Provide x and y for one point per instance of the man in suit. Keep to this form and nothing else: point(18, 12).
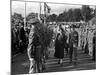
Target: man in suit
point(22, 38)
point(73, 44)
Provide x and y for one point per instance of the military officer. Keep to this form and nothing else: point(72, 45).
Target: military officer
point(34, 49)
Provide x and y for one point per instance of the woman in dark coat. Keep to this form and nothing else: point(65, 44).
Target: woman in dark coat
point(59, 48)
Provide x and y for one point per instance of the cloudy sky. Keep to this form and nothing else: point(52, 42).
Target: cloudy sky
point(19, 7)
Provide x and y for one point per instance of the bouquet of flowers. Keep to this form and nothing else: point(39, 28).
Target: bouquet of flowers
point(45, 34)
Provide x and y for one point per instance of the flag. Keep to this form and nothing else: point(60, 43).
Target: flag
point(46, 7)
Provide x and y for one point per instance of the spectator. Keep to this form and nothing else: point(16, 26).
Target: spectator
point(22, 39)
point(59, 48)
point(73, 44)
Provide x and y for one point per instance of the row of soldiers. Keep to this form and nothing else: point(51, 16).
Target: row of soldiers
point(86, 35)
point(87, 39)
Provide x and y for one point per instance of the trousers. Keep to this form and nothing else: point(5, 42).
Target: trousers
point(73, 53)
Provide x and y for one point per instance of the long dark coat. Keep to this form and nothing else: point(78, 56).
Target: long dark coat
point(22, 37)
point(59, 48)
point(22, 34)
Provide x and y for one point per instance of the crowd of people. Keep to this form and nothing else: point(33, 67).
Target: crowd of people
point(19, 38)
point(69, 45)
point(26, 40)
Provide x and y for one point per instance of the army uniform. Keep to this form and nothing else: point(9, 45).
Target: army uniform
point(73, 44)
point(30, 50)
point(34, 52)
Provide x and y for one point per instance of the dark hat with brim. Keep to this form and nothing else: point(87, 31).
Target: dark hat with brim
point(33, 21)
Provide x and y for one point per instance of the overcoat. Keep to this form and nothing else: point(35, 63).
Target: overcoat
point(59, 48)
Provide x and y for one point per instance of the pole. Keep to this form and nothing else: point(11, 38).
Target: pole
point(40, 8)
point(44, 13)
point(25, 17)
point(40, 13)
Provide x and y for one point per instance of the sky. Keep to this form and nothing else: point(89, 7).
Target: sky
point(19, 7)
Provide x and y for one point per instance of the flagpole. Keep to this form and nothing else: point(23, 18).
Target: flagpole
point(40, 13)
point(40, 8)
point(44, 14)
point(25, 17)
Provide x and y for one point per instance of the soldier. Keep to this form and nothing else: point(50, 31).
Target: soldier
point(34, 49)
point(73, 44)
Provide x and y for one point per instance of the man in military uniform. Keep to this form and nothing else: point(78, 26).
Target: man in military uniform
point(73, 44)
point(34, 49)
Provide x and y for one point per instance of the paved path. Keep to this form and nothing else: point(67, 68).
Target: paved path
point(20, 64)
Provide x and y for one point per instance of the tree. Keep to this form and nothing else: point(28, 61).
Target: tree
point(52, 18)
point(66, 16)
point(17, 18)
point(70, 15)
point(86, 12)
point(77, 16)
point(63, 16)
point(60, 17)
point(45, 35)
point(31, 15)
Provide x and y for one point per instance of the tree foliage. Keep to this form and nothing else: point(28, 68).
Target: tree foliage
point(77, 16)
point(52, 18)
point(31, 15)
point(85, 13)
point(16, 19)
point(45, 34)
